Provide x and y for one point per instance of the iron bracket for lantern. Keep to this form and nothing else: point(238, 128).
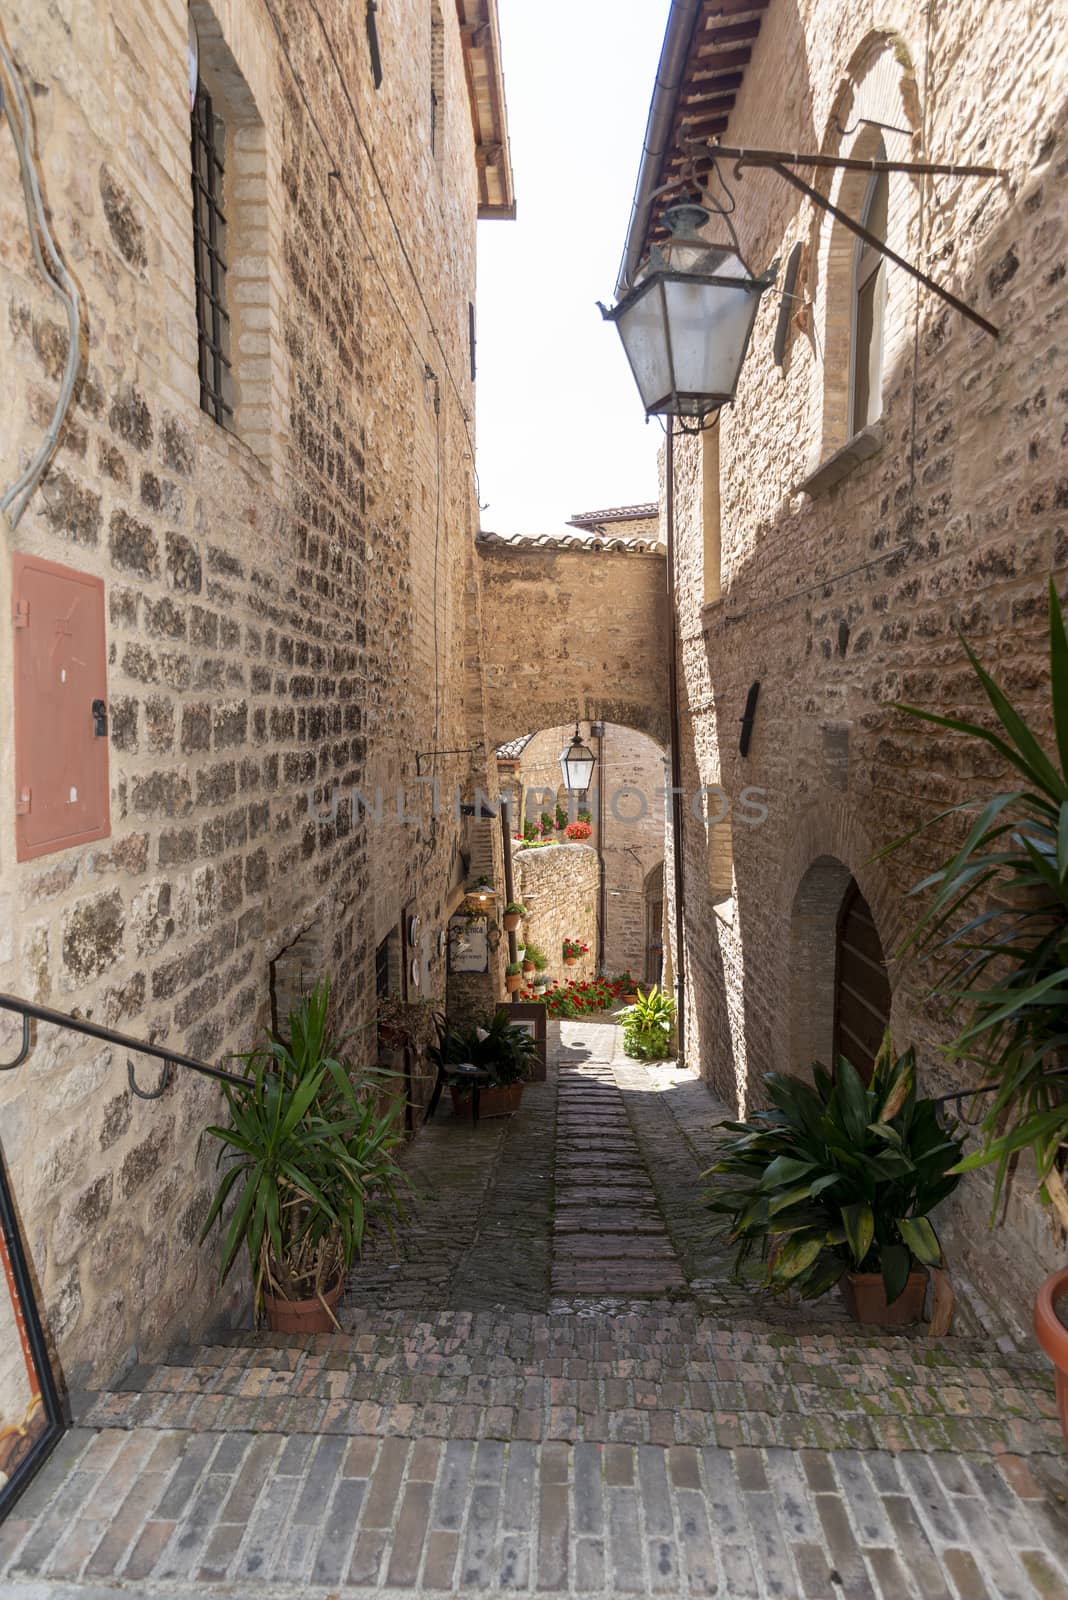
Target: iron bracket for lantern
point(781, 161)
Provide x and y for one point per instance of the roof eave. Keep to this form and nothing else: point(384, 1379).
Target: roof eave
point(481, 40)
point(673, 57)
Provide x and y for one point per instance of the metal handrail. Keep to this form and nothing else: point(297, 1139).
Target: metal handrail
point(29, 1012)
point(958, 1096)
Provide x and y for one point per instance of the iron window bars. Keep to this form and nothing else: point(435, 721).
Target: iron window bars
point(209, 262)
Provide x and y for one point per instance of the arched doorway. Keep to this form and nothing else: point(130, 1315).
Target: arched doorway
point(839, 985)
point(861, 984)
point(654, 925)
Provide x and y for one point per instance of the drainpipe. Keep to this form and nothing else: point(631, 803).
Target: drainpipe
point(602, 920)
point(673, 55)
point(509, 879)
point(676, 748)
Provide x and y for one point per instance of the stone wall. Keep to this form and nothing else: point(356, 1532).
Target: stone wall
point(628, 825)
point(572, 633)
point(292, 603)
point(843, 599)
point(559, 887)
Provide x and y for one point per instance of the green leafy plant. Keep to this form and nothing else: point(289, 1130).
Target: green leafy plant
point(516, 908)
point(513, 969)
point(490, 1042)
point(574, 948)
point(648, 1025)
point(537, 955)
point(835, 1177)
point(561, 818)
point(998, 916)
point(307, 1158)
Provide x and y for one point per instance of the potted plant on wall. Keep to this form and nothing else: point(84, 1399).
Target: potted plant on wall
point(573, 949)
point(513, 976)
point(534, 960)
point(513, 912)
point(999, 916)
point(578, 832)
point(835, 1182)
point(307, 1159)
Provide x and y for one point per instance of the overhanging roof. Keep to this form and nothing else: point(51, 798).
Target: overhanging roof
point(480, 34)
point(707, 46)
point(597, 519)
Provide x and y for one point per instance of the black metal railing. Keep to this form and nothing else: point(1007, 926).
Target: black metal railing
point(46, 1419)
point(123, 1041)
point(957, 1097)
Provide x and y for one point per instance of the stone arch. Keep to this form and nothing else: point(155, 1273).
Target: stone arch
point(572, 634)
point(830, 851)
point(878, 87)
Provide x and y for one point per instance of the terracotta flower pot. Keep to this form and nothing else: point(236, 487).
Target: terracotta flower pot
point(528, 967)
point(570, 961)
point(1052, 1335)
point(865, 1297)
point(511, 921)
point(498, 1102)
point(302, 1316)
point(513, 981)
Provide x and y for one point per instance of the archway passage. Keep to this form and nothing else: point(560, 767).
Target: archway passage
point(575, 632)
point(861, 984)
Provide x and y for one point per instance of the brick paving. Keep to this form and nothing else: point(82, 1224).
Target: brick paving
point(580, 1404)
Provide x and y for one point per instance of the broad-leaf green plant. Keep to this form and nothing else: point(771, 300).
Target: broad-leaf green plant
point(307, 1159)
point(836, 1176)
point(648, 1025)
point(998, 919)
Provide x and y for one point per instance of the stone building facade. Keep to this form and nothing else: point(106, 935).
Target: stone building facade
point(831, 543)
point(292, 596)
point(559, 887)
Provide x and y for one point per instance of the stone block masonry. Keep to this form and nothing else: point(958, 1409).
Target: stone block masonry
point(287, 598)
point(559, 887)
point(843, 598)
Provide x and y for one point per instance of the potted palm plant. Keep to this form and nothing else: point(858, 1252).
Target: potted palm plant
point(835, 1182)
point(306, 1158)
point(496, 1046)
point(998, 917)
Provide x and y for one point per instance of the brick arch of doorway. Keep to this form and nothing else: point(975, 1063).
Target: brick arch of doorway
point(829, 849)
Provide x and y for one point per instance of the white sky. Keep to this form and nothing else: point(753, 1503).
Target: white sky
point(560, 425)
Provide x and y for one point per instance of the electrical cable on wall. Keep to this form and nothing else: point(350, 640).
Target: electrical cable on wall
point(15, 499)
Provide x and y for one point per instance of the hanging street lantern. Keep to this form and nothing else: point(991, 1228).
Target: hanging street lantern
point(685, 325)
point(576, 764)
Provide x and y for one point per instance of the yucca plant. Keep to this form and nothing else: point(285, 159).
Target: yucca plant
point(307, 1157)
point(835, 1177)
point(648, 1025)
point(998, 916)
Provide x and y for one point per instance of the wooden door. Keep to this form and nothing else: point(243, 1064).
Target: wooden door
point(861, 985)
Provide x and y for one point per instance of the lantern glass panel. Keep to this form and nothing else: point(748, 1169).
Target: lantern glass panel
point(709, 326)
point(641, 328)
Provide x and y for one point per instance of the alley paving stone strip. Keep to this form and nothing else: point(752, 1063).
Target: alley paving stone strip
point(548, 1383)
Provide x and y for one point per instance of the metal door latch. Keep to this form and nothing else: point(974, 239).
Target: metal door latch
point(100, 719)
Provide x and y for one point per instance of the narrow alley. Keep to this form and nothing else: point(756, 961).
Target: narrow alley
point(548, 1383)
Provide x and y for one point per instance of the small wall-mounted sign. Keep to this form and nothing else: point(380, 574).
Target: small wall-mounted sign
point(468, 944)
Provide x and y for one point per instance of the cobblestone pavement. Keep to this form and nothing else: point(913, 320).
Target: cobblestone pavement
point(549, 1385)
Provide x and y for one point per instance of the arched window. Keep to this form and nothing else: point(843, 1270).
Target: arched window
point(869, 302)
point(861, 985)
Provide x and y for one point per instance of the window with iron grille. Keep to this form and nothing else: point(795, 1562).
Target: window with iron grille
point(209, 261)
